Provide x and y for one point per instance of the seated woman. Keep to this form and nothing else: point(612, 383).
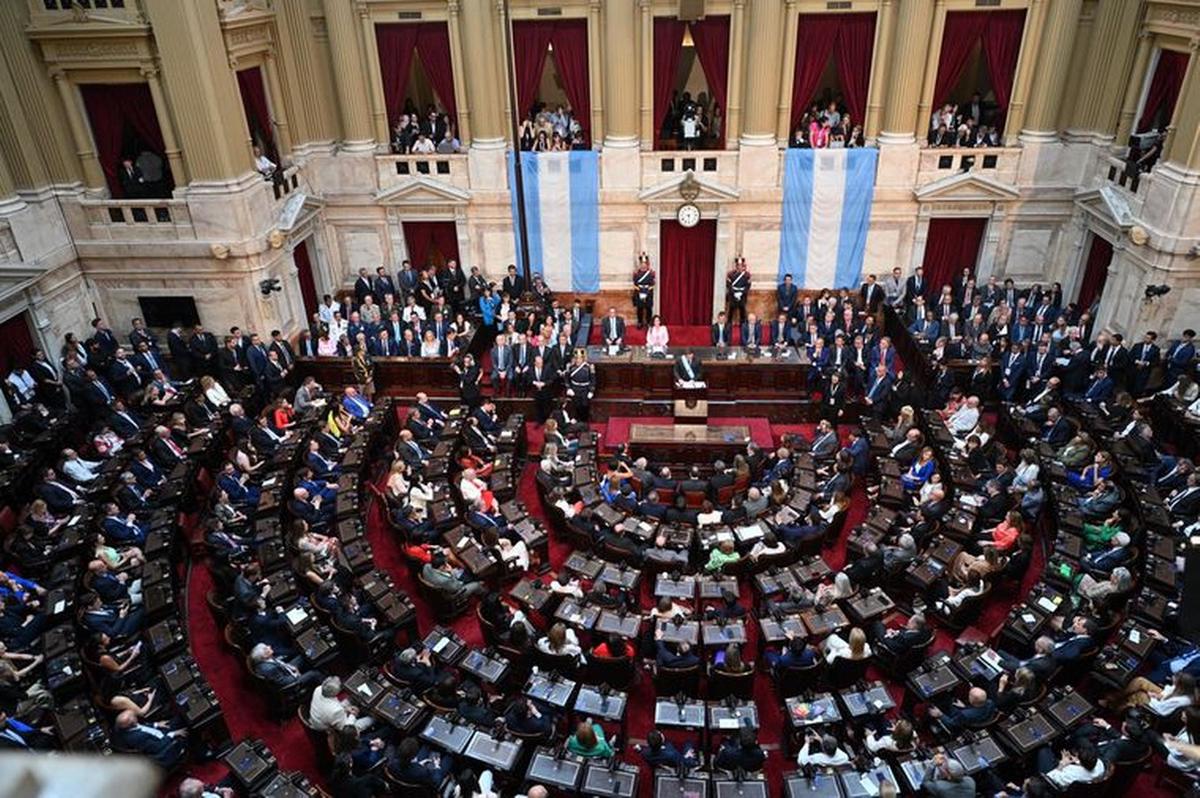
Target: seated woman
point(474, 489)
point(657, 337)
point(1004, 535)
point(312, 572)
point(614, 647)
point(588, 741)
point(729, 660)
point(905, 421)
point(841, 588)
point(1099, 536)
point(724, 554)
point(515, 554)
point(1012, 692)
point(1184, 747)
point(920, 471)
point(553, 435)
point(968, 567)
point(283, 416)
point(560, 640)
point(854, 648)
point(667, 610)
point(118, 559)
point(899, 739)
point(106, 442)
point(553, 464)
point(1086, 479)
point(955, 595)
point(1026, 472)
point(214, 392)
point(323, 548)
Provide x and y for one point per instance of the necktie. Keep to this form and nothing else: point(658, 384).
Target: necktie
point(104, 390)
point(174, 447)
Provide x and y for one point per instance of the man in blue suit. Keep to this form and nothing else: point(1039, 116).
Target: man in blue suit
point(1077, 642)
point(752, 333)
point(785, 295)
point(121, 530)
point(878, 391)
point(356, 404)
point(1144, 357)
point(163, 745)
point(926, 330)
point(1101, 387)
point(1012, 371)
point(236, 487)
point(1180, 357)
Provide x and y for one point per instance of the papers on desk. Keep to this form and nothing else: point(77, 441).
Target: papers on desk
point(440, 644)
point(991, 658)
point(270, 483)
point(727, 723)
point(693, 384)
point(74, 520)
point(61, 605)
point(1046, 604)
point(1029, 618)
point(364, 689)
point(1135, 636)
point(869, 783)
point(748, 533)
point(614, 350)
point(296, 615)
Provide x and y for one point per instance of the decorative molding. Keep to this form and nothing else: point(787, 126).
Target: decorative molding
point(706, 190)
point(966, 187)
point(424, 191)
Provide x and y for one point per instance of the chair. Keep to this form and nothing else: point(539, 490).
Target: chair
point(446, 608)
point(486, 627)
point(793, 681)
point(672, 681)
point(318, 738)
point(725, 495)
point(845, 672)
point(618, 672)
point(722, 683)
point(695, 498)
point(407, 788)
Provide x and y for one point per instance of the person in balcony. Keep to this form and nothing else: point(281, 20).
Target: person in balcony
point(264, 165)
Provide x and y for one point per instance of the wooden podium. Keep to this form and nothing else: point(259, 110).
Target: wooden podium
point(690, 404)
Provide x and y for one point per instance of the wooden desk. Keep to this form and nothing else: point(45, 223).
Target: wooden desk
point(634, 373)
point(687, 443)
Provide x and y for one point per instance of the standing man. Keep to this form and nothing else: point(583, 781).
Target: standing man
point(581, 385)
point(737, 289)
point(542, 378)
point(643, 291)
point(871, 295)
point(786, 295)
point(893, 290)
point(1145, 358)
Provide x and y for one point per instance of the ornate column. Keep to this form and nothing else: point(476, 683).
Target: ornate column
point(1137, 82)
point(283, 131)
point(1110, 63)
point(884, 33)
point(454, 31)
point(930, 58)
point(1027, 62)
point(761, 83)
point(311, 106)
point(737, 37)
point(174, 157)
point(787, 76)
point(1182, 144)
point(596, 59)
point(620, 74)
point(649, 134)
point(85, 148)
point(348, 75)
point(370, 51)
point(502, 65)
point(479, 50)
point(1053, 63)
point(910, 51)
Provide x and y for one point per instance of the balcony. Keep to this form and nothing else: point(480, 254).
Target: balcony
point(718, 166)
point(131, 220)
point(998, 163)
point(395, 171)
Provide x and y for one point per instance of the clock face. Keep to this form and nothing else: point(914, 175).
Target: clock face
point(688, 215)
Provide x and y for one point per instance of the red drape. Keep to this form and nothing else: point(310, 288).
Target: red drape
point(531, 42)
point(115, 109)
point(952, 245)
point(16, 344)
point(814, 42)
point(304, 276)
point(668, 44)
point(1164, 88)
point(1095, 272)
point(258, 113)
point(425, 239)
point(397, 44)
point(433, 48)
point(1001, 49)
point(686, 258)
point(711, 37)
point(855, 48)
point(1000, 33)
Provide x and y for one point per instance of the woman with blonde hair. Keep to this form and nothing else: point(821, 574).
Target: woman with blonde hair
point(214, 392)
point(904, 422)
point(854, 648)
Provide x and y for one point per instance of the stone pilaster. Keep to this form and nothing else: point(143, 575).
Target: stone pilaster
point(646, 72)
point(201, 91)
point(620, 74)
point(479, 50)
point(737, 59)
point(85, 147)
point(1109, 63)
point(791, 24)
point(885, 24)
point(458, 62)
point(1027, 62)
point(910, 51)
point(1053, 64)
point(345, 50)
point(596, 59)
point(761, 83)
point(1133, 91)
point(312, 114)
point(929, 65)
point(1183, 135)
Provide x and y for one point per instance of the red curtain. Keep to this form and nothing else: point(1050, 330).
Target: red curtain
point(16, 343)
point(258, 113)
point(711, 37)
point(952, 245)
point(304, 276)
point(814, 42)
point(531, 40)
point(668, 44)
point(433, 48)
point(1095, 272)
point(1000, 33)
point(686, 257)
point(855, 48)
point(397, 44)
point(1164, 88)
point(571, 57)
point(1001, 49)
point(115, 110)
point(425, 240)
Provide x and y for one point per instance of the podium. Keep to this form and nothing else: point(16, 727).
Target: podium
point(689, 403)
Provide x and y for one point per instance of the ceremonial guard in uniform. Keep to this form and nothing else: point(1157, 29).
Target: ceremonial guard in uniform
point(643, 291)
point(737, 290)
point(581, 385)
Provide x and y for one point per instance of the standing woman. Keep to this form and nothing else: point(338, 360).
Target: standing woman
point(364, 371)
point(469, 376)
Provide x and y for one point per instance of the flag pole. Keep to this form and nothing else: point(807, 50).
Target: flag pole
point(518, 180)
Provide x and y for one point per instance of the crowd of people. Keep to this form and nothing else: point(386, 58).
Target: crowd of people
point(545, 130)
point(428, 133)
point(827, 124)
point(969, 124)
point(693, 123)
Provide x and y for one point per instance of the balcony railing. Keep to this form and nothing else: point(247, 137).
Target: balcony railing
point(134, 220)
point(1125, 176)
point(662, 165)
point(396, 170)
point(999, 163)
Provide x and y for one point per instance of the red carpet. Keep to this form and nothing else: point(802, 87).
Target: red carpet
point(246, 714)
point(617, 430)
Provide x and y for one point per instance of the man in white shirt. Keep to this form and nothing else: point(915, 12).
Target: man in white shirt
point(265, 166)
point(822, 751)
point(78, 469)
point(423, 146)
point(965, 418)
point(327, 712)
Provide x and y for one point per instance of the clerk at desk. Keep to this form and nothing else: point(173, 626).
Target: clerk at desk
point(687, 369)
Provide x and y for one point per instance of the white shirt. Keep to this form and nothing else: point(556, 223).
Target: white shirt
point(1067, 775)
point(963, 420)
point(81, 470)
point(424, 146)
point(326, 713)
point(264, 165)
point(471, 490)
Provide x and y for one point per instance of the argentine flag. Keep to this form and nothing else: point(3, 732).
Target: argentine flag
point(562, 215)
point(826, 215)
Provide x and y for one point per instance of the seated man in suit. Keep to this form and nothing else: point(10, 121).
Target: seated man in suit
point(612, 329)
point(526, 718)
point(1116, 554)
point(357, 405)
point(279, 672)
point(413, 764)
point(1077, 641)
point(312, 509)
point(661, 752)
point(165, 746)
point(721, 333)
point(439, 575)
point(825, 441)
point(1101, 501)
point(415, 669)
point(121, 530)
point(687, 368)
point(899, 642)
point(673, 655)
point(978, 711)
point(120, 623)
point(410, 451)
point(741, 752)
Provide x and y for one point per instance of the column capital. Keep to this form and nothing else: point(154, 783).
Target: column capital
point(149, 71)
point(453, 7)
point(362, 9)
point(57, 72)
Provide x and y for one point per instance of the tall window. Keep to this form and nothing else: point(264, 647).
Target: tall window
point(418, 86)
point(691, 79)
point(553, 89)
point(831, 79)
point(129, 143)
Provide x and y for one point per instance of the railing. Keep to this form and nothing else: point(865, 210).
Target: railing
point(289, 182)
point(134, 219)
point(396, 170)
point(662, 165)
point(1124, 175)
point(999, 163)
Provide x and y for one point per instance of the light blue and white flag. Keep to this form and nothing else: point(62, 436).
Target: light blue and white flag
point(562, 212)
point(826, 215)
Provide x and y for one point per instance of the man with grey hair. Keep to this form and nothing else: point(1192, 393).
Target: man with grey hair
point(194, 788)
point(279, 671)
point(756, 502)
point(327, 712)
point(946, 778)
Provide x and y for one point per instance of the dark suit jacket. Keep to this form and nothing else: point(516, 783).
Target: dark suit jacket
point(725, 329)
point(682, 375)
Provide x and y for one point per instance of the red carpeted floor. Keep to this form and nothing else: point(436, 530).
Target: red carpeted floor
point(246, 714)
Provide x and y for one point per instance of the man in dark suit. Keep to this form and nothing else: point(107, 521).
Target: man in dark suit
point(871, 294)
point(97, 395)
point(133, 184)
point(383, 285)
point(899, 642)
point(203, 349)
point(786, 295)
point(978, 711)
point(1185, 502)
point(687, 368)
point(1144, 357)
point(915, 286)
point(878, 391)
point(1077, 641)
point(1180, 357)
point(741, 753)
point(279, 672)
point(751, 333)
point(1056, 430)
point(363, 286)
point(721, 332)
point(612, 330)
point(283, 349)
point(163, 745)
point(49, 381)
point(513, 283)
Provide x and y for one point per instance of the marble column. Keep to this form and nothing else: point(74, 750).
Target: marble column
point(479, 50)
point(596, 59)
point(884, 34)
point(1053, 62)
point(374, 76)
point(761, 83)
point(312, 116)
point(646, 22)
point(346, 54)
point(791, 21)
point(458, 64)
point(200, 90)
point(1027, 62)
point(85, 148)
point(1137, 82)
point(620, 74)
point(929, 60)
point(170, 142)
point(279, 115)
point(1182, 145)
point(1109, 64)
point(737, 38)
point(909, 53)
